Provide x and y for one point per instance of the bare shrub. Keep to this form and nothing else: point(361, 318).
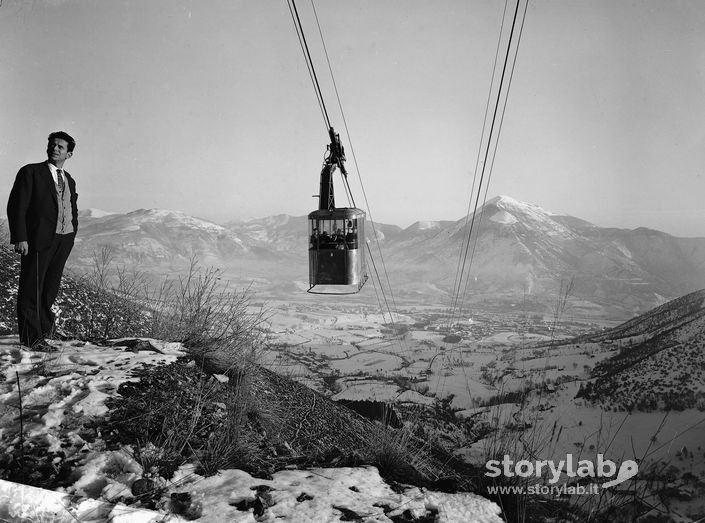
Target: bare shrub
point(201, 311)
point(397, 453)
point(232, 446)
point(179, 413)
point(113, 302)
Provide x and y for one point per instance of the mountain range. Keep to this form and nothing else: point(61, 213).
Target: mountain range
point(519, 253)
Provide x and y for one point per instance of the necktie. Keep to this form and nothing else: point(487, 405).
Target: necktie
point(60, 179)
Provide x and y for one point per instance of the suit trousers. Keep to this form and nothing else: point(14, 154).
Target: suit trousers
point(40, 278)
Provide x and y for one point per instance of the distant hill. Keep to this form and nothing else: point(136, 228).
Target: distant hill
point(160, 239)
point(661, 360)
point(520, 253)
point(524, 251)
point(163, 242)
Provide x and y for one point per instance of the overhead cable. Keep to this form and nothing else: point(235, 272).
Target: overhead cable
point(467, 258)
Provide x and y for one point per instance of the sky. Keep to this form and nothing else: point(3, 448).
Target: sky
point(207, 107)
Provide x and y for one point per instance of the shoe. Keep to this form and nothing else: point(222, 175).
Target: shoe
point(43, 346)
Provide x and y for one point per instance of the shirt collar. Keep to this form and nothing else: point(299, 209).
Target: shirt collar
point(53, 168)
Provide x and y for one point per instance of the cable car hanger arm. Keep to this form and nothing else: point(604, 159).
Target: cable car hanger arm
point(335, 157)
point(337, 152)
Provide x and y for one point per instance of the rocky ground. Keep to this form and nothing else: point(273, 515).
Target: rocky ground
point(135, 429)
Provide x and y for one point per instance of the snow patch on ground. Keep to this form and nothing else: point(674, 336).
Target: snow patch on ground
point(411, 396)
point(315, 495)
point(80, 376)
point(623, 249)
point(503, 217)
point(319, 494)
point(366, 391)
point(424, 225)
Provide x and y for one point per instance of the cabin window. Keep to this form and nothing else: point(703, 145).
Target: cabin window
point(337, 233)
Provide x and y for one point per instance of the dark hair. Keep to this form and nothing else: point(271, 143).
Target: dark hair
point(61, 135)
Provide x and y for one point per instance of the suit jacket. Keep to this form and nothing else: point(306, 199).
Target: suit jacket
point(33, 207)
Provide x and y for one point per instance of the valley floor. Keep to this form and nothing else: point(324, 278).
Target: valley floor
point(484, 364)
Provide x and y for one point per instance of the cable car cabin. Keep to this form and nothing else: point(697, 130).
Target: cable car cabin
point(336, 250)
point(336, 246)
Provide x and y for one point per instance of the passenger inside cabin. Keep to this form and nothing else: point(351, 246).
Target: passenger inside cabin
point(339, 239)
point(351, 238)
point(324, 240)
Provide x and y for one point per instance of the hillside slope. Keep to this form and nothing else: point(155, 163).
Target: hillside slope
point(136, 432)
point(82, 310)
point(661, 359)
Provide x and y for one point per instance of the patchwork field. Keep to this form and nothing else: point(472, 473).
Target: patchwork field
point(480, 366)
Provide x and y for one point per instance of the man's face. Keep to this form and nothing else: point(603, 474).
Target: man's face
point(58, 150)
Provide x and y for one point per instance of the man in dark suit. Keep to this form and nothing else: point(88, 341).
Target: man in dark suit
point(43, 219)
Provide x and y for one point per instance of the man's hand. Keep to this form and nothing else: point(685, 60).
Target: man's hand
point(22, 248)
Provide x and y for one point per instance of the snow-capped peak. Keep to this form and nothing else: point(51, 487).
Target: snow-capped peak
point(510, 204)
point(175, 219)
point(510, 211)
point(503, 217)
